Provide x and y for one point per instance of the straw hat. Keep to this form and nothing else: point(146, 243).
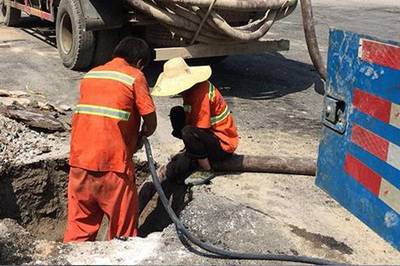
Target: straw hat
point(178, 77)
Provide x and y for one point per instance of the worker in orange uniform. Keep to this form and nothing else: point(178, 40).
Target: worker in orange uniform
point(204, 123)
point(105, 134)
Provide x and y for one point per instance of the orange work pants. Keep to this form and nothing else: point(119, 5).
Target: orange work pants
point(93, 194)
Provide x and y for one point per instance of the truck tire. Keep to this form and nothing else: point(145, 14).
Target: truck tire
point(106, 41)
point(8, 15)
point(75, 45)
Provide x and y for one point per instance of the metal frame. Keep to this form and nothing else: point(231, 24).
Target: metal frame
point(161, 54)
point(34, 11)
point(203, 50)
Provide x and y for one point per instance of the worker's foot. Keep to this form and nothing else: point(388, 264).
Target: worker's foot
point(200, 177)
point(162, 172)
point(121, 238)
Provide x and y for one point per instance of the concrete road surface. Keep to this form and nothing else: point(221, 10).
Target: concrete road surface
point(276, 99)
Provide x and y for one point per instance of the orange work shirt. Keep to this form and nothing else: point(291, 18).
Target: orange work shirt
point(106, 122)
point(206, 108)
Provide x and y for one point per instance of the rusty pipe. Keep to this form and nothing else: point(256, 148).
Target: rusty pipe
point(202, 38)
point(242, 35)
point(183, 12)
point(254, 24)
point(181, 166)
point(238, 5)
point(162, 15)
point(267, 164)
point(216, 22)
point(172, 20)
point(246, 35)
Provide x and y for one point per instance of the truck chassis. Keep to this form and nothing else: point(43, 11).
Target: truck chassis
point(88, 30)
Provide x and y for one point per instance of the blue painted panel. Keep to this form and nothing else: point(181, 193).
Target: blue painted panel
point(387, 131)
point(345, 73)
point(386, 171)
point(375, 76)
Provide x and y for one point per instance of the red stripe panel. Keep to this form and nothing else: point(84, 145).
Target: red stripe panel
point(381, 54)
point(370, 142)
point(363, 174)
point(372, 105)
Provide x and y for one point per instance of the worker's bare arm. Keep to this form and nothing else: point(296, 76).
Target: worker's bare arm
point(149, 124)
point(148, 128)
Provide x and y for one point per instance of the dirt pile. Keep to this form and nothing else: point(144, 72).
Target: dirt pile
point(20, 144)
point(214, 218)
point(31, 129)
point(33, 178)
point(18, 246)
point(33, 168)
point(239, 233)
point(15, 243)
point(35, 195)
point(233, 226)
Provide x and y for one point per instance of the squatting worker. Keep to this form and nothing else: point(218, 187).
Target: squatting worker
point(204, 123)
point(105, 134)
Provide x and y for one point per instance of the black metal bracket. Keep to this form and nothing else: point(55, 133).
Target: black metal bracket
point(103, 14)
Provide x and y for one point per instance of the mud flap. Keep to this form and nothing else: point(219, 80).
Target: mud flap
point(359, 154)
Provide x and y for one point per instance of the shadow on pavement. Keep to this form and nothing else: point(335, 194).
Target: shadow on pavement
point(40, 29)
point(257, 77)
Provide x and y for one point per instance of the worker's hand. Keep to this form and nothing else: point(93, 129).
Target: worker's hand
point(148, 128)
point(140, 141)
point(149, 124)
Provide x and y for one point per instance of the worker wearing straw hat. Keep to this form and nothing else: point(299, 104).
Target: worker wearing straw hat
point(204, 123)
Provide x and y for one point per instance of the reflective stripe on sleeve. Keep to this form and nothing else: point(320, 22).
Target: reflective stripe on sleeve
point(218, 118)
point(113, 75)
point(211, 92)
point(102, 111)
point(187, 108)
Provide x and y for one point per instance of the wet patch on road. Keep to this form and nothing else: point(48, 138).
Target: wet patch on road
point(321, 240)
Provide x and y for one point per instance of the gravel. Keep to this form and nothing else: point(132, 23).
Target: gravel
point(19, 144)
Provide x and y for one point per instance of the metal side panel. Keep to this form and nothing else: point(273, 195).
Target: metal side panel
point(359, 154)
point(208, 50)
point(103, 14)
point(31, 10)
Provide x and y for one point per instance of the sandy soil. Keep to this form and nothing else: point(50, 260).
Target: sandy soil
point(312, 221)
point(278, 111)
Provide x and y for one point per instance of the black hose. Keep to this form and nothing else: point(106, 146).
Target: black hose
point(182, 230)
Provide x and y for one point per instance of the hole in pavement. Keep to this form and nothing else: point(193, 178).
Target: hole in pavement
point(35, 196)
point(154, 218)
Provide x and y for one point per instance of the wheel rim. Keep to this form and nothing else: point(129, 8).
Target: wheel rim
point(3, 8)
point(66, 33)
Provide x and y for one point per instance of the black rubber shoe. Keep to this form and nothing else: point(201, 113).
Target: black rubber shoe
point(200, 177)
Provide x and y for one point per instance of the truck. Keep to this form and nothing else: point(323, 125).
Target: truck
point(88, 30)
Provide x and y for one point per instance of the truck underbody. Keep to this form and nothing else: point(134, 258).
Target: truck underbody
point(88, 30)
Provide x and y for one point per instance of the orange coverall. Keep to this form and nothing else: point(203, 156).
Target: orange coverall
point(105, 128)
point(206, 108)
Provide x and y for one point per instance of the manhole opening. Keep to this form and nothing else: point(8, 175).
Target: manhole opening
point(35, 195)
